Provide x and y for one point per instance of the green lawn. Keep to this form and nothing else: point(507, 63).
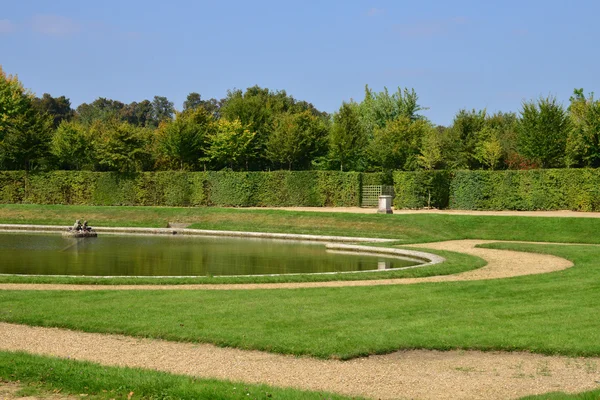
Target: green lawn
point(553, 313)
point(404, 228)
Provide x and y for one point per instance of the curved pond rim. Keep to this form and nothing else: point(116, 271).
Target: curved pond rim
point(200, 232)
point(425, 259)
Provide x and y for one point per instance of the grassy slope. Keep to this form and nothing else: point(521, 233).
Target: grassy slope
point(43, 375)
point(551, 313)
point(405, 228)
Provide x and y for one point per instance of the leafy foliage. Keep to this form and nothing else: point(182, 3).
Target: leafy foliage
point(181, 142)
point(230, 144)
point(120, 146)
point(543, 131)
point(296, 139)
point(72, 146)
point(348, 139)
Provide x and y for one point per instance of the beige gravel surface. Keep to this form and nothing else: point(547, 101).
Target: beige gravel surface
point(406, 374)
point(500, 264)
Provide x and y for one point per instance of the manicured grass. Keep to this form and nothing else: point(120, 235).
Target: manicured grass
point(44, 375)
point(591, 395)
point(552, 313)
point(404, 228)
point(455, 263)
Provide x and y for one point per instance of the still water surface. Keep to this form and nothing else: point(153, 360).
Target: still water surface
point(112, 255)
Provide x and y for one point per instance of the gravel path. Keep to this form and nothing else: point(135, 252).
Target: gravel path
point(406, 374)
point(500, 264)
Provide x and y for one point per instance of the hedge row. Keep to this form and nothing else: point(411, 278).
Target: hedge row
point(527, 190)
point(240, 189)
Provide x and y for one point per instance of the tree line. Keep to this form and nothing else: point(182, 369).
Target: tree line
point(259, 129)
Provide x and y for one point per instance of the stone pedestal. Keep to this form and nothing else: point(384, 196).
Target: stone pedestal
point(385, 205)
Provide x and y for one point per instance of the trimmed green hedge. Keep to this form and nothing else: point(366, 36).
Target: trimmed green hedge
point(239, 189)
point(542, 189)
point(420, 189)
point(526, 190)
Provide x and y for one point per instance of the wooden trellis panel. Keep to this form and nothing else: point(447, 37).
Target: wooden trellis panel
point(370, 194)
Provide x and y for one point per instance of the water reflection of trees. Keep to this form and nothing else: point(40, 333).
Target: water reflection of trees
point(171, 256)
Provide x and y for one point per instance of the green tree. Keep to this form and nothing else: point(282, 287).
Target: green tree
point(58, 108)
point(430, 154)
point(162, 109)
point(139, 114)
point(26, 143)
point(24, 133)
point(489, 148)
point(101, 109)
point(230, 144)
point(348, 140)
point(463, 139)
point(378, 108)
point(181, 142)
point(257, 108)
point(543, 130)
point(397, 144)
point(120, 146)
point(72, 146)
point(583, 142)
point(194, 101)
point(296, 139)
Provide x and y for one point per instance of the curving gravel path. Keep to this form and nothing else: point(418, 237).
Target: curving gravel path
point(406, 374)
point(500, 264)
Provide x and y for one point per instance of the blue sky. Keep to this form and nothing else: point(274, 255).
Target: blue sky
point(455, 54)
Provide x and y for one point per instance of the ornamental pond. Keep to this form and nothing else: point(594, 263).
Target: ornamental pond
point(116, 255)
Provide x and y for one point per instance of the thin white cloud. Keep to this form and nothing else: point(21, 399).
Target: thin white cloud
point(6, 26)
point(373, 12)
point(55, 25)
point(424, 29)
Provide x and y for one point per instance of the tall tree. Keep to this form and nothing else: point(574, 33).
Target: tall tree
point(296, 139)
point(181, 142)
point(348, 139)
point(397, 144)
point(101, 109)
point(583, 143)
point(72, 146)
point(377, 109)
point(465, 138)
point(194, 101)
point(24, 133)
point(543, 130)
point(58, 108)
point(139, 114)
point(257, 108)
point(163, 109)
point(230, 144)
point(431, 152)
point(120, 146)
